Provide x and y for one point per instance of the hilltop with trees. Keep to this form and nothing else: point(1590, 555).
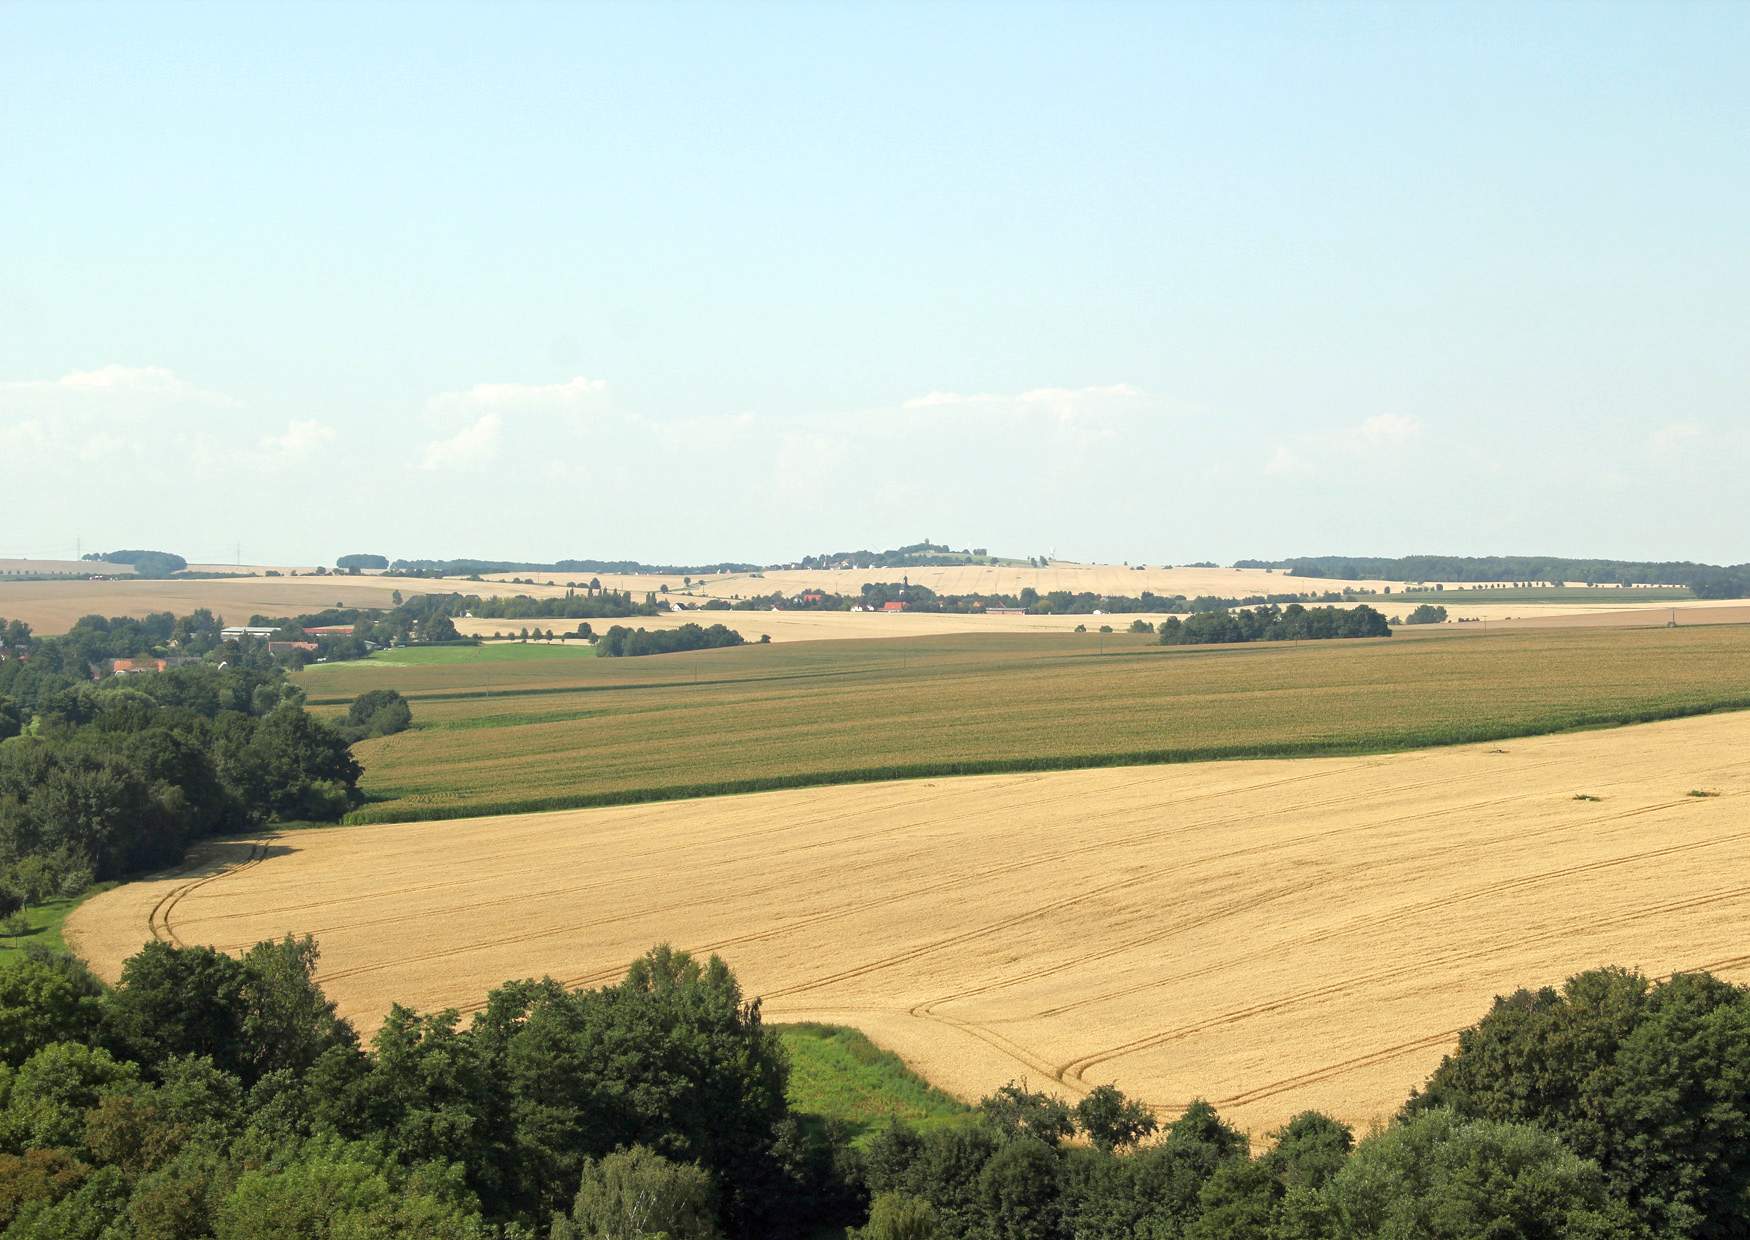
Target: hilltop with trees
point(144, 563)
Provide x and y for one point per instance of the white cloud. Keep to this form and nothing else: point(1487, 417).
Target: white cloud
point(300, 438)
point(23, 436)
point(1390, 428)
point(467, 448)
point(1673, 437)
point(1283, 463)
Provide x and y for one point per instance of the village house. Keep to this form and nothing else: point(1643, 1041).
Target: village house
point(144, 663)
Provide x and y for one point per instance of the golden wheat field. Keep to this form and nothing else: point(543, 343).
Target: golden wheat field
point(1271, 935)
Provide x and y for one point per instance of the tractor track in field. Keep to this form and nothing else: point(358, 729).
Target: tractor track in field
point(158, 921)
point(1078, 1068)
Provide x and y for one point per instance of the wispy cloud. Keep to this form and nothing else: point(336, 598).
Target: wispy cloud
point(1386, 428)
point(505, 397)
point(1382, 437)
point(158, 383)
point(1672, 437)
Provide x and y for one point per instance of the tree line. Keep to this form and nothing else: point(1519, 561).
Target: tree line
point(216, 1096)
point(875, 595)
point(1270, 623)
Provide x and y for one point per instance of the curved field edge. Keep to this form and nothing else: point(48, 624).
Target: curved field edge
point(1394, 742)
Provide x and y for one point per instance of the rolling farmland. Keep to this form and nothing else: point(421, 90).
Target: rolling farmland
point(545, 733)
point(1271, 935)
point(972, 579)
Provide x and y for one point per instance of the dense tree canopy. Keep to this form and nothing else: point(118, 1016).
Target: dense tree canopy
point(105, 777)
point(1271, 623)
point(620, 640)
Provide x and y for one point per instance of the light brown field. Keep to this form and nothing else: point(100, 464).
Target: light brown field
point(1270, 935)
point(794, 626)
point(63, 566)
point(1598, 615)
point(976, 579)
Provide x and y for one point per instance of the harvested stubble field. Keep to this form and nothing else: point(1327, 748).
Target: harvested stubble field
point(811, 626)
point(498, 737)
point(1272, 935)
point(54, 606)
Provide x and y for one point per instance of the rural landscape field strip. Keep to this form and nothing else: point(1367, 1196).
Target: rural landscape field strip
point(1270, 934)
point(550, 734)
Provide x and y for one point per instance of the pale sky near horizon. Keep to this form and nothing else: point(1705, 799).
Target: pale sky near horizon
point(687, 283)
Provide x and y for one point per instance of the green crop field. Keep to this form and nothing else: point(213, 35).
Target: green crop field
point(838, 1074)
point(557, 731)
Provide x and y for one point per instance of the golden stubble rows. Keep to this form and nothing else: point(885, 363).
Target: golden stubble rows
point(1270, 935)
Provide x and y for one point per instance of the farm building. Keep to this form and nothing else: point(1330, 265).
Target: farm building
point(131, 667)
point(328, 630)
point(288, 647)
point(237, 632)
point(1005, 611)
point(896, 605)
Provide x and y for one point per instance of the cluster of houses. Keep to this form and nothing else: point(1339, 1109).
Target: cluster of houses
point(231, 633)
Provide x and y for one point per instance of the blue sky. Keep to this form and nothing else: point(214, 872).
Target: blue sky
point(688, 282)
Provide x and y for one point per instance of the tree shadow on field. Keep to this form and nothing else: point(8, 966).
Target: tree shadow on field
point(212, 857)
